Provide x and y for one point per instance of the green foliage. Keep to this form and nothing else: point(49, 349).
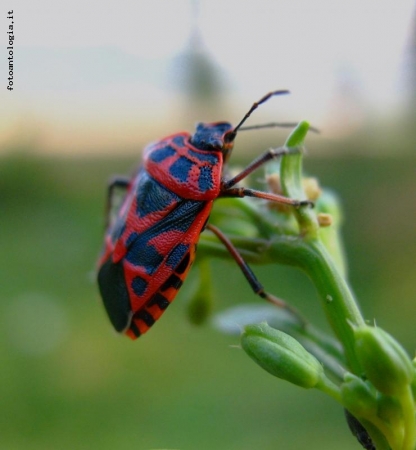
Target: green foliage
point(376, 365)
point(67, 381)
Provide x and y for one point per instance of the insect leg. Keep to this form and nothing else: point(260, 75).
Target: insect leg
point(115, 182)
point(258, 162)
point(256, 286)
point(245, 192)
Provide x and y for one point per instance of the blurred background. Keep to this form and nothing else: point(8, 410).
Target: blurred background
point(93, 83)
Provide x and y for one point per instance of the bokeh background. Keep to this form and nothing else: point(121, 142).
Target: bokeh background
point(93, 83)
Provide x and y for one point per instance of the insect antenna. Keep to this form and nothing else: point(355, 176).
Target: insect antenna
point(276, 125)
point(231, 135)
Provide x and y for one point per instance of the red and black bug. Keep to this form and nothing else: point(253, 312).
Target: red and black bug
point(150, 246)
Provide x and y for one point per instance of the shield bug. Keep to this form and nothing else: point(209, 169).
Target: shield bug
point(150, 246)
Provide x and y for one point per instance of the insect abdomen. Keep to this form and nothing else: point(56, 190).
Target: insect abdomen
point(146, 316)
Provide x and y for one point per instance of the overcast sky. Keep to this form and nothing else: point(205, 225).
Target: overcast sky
point(82, 66)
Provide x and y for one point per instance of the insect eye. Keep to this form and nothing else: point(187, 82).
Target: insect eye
point(230, 136)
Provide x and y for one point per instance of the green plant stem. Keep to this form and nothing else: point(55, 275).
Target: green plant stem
point(311, 256)
point(336, 298)
point(329, 388)
point(407, 404)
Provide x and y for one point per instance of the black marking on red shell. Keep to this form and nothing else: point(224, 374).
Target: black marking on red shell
point(160, 154)
point(152, 196)
point(139, 285)
point(134, 329)
point(183, 216)
point(172, 282)
point(183, 265)
point(160, 300)
point(180, 169)
point(141, 253)
point(211, 158)
point(145, 316)
point(179, 140)
point(205, 181)
point(114, 293)
point(176, 255)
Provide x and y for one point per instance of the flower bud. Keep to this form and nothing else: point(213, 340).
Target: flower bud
point(312, 189)
point(383, 359)
point(281, 355)
point(357, 396)
point(324, 220)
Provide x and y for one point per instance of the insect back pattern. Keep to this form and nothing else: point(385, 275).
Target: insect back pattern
point(151, 244)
